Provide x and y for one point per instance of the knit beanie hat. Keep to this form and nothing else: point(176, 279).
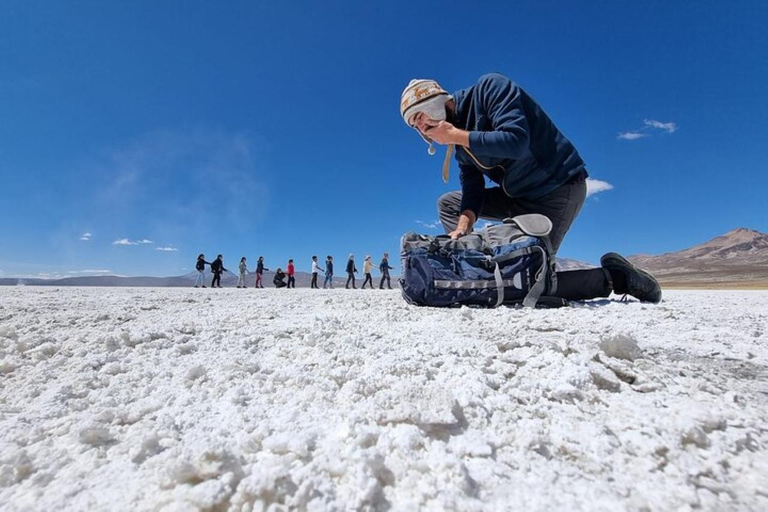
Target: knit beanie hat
point(426, 96)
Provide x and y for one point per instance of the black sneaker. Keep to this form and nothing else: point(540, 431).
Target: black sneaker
point(630, 280)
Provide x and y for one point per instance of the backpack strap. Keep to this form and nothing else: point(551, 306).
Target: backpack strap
point(541, 281)
point(499, 285)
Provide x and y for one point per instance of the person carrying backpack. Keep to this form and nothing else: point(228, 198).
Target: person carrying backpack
point(243, 268)
point(291, 275)
point(384, 268)
point(217, 268)
point(351, 271)
point(200, 267)
point(260, 272)
point(315, 270)
point(328, 272)
point(501, 133)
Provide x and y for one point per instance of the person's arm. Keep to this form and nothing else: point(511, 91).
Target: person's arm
point(472, 197)
point(501, 99)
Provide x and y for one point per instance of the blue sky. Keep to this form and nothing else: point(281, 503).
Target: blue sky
point(272, 128)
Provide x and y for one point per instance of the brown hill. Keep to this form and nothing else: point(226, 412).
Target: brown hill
point(737, 259)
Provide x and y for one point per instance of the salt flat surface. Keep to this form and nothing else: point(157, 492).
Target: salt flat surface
point(184, 399)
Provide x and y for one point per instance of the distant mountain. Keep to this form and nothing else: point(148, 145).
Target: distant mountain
point(738, 258)
point(568, 264)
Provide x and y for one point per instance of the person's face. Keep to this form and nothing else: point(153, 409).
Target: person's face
point(422, 122)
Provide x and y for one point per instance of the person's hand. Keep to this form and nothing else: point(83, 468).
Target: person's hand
point(457, 233)
point(441, 132)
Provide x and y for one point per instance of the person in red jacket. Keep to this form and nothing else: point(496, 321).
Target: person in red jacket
point(291, 272)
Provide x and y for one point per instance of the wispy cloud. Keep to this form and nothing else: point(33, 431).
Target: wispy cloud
point(170, 176)
point(104, 271)
point(667, 127)
point(597, 186)
point(429, 224)
point(166, 249)
point(648, 128)
point(124, 241)
point(86, 237)
point(631, 135)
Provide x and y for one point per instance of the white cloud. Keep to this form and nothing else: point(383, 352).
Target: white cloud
point(429, 225)
point(86, 237)
point(89, 272)
point(166, 249)
point(667, 127)
point(597, 186)
point(649, 125)
point(136, 180)
point(631, 135)
point(124, 241)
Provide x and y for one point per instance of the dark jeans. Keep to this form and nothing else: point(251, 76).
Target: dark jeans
point(350, 277)
point(368, 279)
point(385, 276)
point(313, 284)
point(291, 282)
point(216, 279)
point(561, 206)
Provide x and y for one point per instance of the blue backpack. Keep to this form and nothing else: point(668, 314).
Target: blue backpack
point(507, 263)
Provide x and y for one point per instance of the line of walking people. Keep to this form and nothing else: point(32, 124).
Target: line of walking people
point(287, 278)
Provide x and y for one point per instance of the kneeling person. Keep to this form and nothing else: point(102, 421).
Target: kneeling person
point(501, 133)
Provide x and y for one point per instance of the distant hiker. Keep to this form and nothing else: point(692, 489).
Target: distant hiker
point(291, 273)
point(200, 266)
point(279, 279)
point(501, 133)
point(217, 268)
point(367, 271)
point(260, 272)
point(315, 270)
point(243, 268)
point(328, 272)
point(384, 268)
point(351, 271)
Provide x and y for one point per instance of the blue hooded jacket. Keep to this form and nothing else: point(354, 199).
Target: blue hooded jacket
point(514, 139)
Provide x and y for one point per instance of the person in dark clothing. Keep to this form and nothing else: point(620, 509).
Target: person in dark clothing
point(351, 271)
point(217, 268)
point(328, 272)
point(291, 275)
point(501, 133)
point(384, 268)
point(260, 272)
point(315, 270)
point(200, 267)
point(279, 279)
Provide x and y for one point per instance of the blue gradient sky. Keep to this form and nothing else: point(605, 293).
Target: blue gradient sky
point(272, 128)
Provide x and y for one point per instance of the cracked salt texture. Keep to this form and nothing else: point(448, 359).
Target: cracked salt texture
point(171, 399)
